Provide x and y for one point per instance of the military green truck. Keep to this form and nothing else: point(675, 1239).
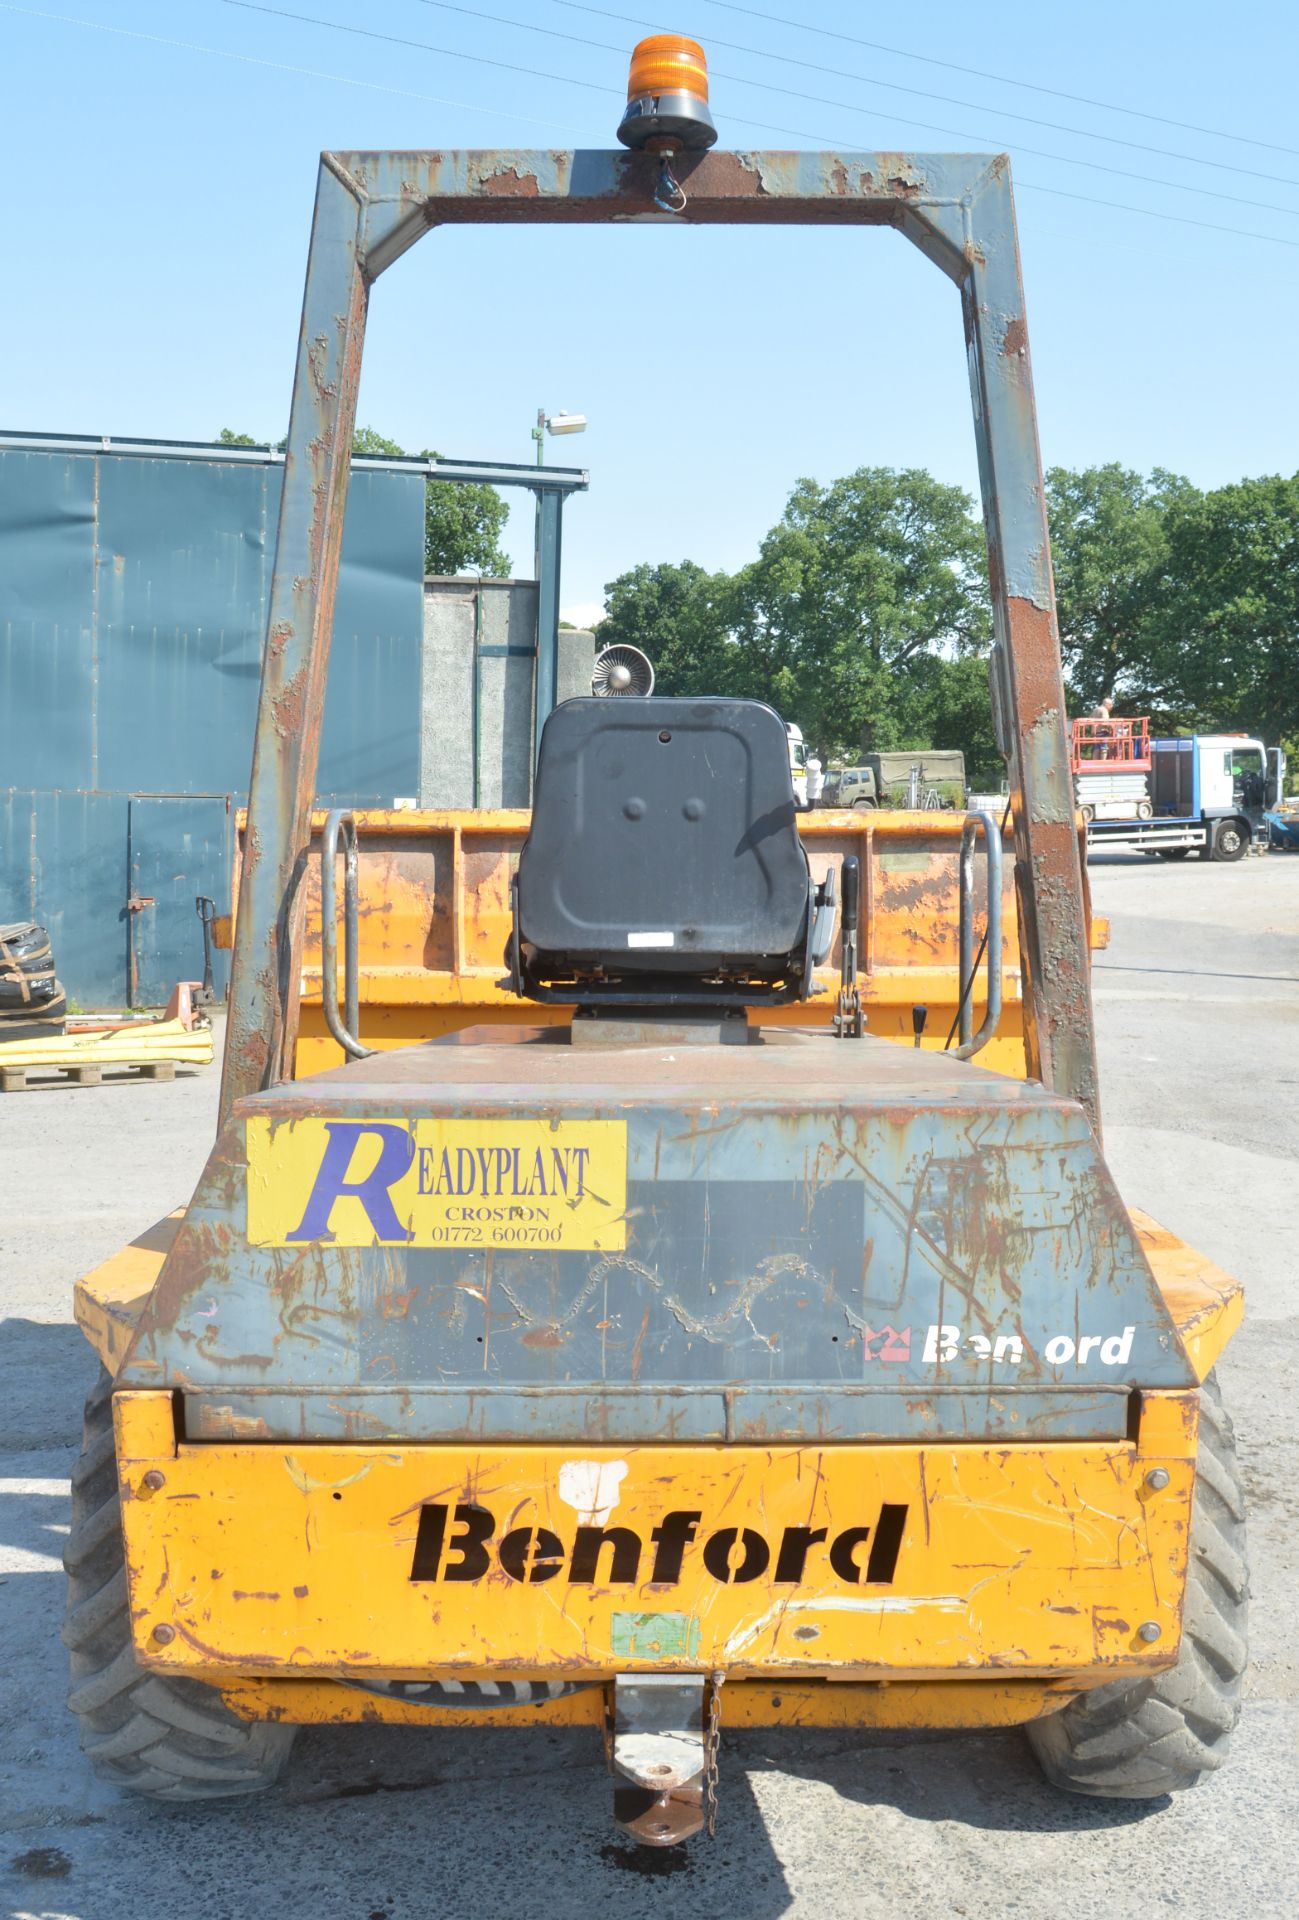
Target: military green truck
point(923, 777)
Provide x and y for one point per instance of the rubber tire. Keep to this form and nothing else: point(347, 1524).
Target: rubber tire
point(1173, 853)
point(1140, 1739)
point(148, 1733)
point(865, 806)
point(1241, 833)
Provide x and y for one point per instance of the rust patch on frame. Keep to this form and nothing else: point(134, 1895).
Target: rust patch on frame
point(1048, 864)
point(511, 183)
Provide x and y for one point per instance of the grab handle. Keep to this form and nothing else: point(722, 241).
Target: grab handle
point(344, 1029)
point(971, 1042)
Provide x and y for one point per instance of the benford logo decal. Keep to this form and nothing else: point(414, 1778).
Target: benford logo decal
point(945, 1344)
point(460, 1543)
point(942, 1345)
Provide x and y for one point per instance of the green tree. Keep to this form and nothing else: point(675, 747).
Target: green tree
point(1225, 652)
point(680, 616)
point(1182, 604)
point(1109, 547)
point(949, 705)
point(857, 582)
point(462, 528)
point(369, 443)
point(855, 620)
point(462, 522)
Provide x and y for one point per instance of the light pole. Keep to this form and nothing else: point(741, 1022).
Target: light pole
point(560, 422)
point(549, 503)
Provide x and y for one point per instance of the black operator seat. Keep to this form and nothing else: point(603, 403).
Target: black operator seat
point(664, 860)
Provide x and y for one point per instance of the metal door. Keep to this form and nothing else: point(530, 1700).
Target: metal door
point(1216, 795)
point(1276, 771)
point(180, 846)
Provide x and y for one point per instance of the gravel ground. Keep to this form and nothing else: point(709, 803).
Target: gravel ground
point(1198, 1010)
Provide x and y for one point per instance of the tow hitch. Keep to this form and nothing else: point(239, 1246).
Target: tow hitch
point(663, 1754)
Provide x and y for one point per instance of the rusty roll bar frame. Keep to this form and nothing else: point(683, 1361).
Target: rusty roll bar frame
point(370, 209)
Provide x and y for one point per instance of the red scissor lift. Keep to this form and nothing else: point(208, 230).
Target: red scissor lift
point(1111, 768)
point(1107, 746)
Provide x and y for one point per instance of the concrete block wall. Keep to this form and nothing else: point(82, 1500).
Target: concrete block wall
point(476, 692)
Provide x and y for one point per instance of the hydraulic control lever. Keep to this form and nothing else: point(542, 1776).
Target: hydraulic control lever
point(849, 1019)
point(206, 911)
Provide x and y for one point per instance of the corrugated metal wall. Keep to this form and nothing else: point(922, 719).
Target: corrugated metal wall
point(132, 614)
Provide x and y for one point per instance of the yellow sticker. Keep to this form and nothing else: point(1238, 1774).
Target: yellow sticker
point(510, 1184)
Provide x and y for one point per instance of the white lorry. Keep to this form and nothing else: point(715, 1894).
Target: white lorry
point(1206, 793)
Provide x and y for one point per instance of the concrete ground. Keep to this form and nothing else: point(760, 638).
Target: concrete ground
point(1198, 1006)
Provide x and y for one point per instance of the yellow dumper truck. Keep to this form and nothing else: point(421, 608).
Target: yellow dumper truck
point(672, 1281)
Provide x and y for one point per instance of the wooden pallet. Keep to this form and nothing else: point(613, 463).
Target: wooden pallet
point(153, 1048)
point(16, 1079)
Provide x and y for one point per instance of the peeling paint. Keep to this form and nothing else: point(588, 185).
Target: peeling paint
point(590, 1487)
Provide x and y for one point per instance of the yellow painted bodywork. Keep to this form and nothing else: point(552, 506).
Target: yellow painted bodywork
point(1023, 1572)
point(435, 916)
point(744, 1703)
point(107, 1301)
point(1207, 1304)
point(1023, 1560)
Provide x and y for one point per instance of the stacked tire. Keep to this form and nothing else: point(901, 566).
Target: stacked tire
point(33, 1005)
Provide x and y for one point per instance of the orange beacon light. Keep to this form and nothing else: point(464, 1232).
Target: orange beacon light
point(667, 97)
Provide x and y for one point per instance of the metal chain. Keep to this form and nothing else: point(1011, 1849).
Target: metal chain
point(712, 1745)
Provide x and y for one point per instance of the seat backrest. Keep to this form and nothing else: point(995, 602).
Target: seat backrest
point(664, 839)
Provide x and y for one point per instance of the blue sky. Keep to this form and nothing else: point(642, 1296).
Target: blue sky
point(159, 198)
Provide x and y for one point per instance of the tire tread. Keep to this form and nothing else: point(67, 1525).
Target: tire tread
point(172, 1739)
point(1141, 1739)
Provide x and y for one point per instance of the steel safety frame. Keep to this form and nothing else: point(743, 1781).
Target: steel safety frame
point(371, 207)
